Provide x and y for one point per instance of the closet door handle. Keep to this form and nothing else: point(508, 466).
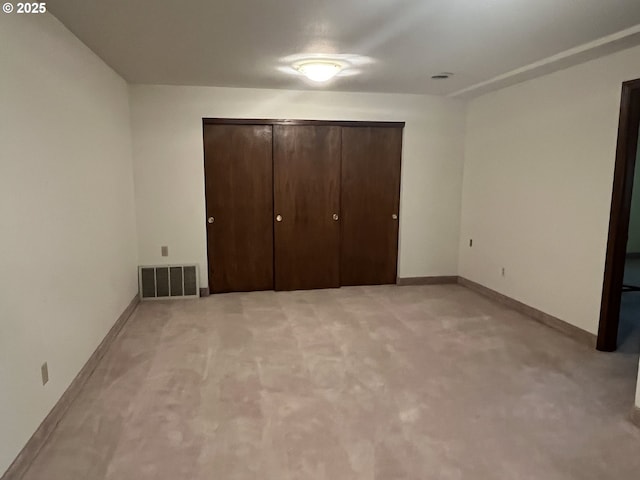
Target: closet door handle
point(211, 220)
point(335, 217)
point(394, 216)
point(278, 218)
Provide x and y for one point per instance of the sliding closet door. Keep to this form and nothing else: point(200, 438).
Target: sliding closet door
point(307, 206)
point(239, 191)
point(370, 202)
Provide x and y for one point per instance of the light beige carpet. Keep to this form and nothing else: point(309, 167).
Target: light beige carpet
point(383, 383)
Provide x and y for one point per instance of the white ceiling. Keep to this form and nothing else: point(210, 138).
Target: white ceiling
point(241, 43)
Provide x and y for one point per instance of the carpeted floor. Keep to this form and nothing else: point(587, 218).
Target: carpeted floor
point(383, 383)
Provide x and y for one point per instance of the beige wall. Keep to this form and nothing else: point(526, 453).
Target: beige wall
point(537, 187)
point(169, 179)
point(68, 253)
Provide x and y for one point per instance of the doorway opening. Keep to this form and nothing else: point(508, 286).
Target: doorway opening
point(614, 285)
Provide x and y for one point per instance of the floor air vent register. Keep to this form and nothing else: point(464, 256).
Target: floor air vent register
point(166, 282)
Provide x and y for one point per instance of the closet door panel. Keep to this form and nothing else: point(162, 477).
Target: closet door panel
point(239, 196)
point(371, 159)
point(306, 198)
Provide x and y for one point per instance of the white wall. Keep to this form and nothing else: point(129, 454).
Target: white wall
point(68, 255)
point(537, 187)
point(169, 178)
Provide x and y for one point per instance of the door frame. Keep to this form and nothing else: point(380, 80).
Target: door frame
point(325, 123)
point(619, 217)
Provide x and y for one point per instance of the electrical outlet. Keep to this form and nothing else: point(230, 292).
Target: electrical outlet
point(164, 251)
point(503, 271)
point(44, 370)
point(471, 242)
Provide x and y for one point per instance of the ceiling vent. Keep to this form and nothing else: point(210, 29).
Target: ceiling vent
point(442, 76)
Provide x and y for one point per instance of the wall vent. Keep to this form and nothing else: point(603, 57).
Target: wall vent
point(166, 282)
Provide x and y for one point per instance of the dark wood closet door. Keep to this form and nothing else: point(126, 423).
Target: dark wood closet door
point(239, 191)
point(307, 196)
point(370, 201)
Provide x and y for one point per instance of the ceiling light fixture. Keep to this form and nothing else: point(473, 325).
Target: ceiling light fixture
point(319, 71)
point(320, 68)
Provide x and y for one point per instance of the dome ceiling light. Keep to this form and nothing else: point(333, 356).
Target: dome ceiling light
point(319, 70)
